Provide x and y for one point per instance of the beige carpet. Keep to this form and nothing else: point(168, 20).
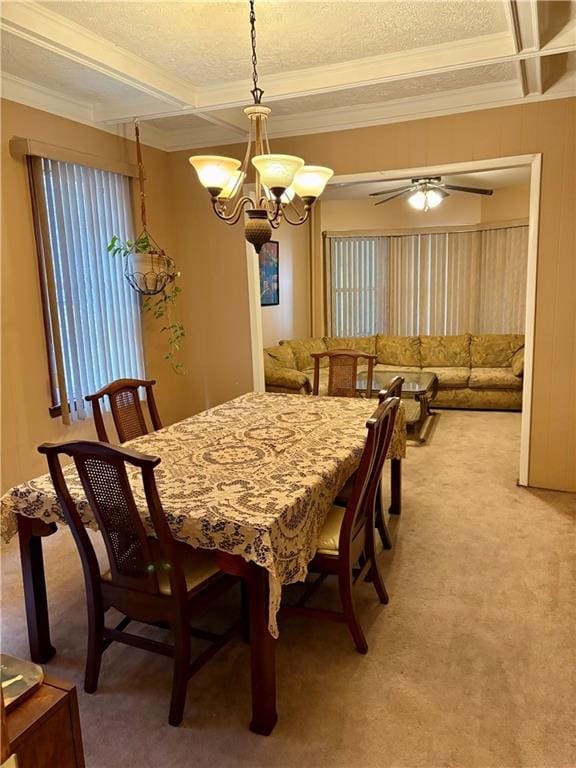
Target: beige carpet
point(470, 665)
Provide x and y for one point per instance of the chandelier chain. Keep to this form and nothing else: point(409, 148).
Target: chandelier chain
point(256, 92)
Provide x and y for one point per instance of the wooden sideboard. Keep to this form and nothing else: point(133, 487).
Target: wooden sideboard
point(44, 731)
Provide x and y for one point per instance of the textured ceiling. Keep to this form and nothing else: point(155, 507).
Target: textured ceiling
point(400, 89)
point(179, 123)
point(209, 43)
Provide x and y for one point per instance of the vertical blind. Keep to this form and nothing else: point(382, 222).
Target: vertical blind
point(357, 280)
point(435, 283)
point(93, 316)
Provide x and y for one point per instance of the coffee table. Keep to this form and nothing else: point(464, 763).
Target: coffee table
point(418, 391)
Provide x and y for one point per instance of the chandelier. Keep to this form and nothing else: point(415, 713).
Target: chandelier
point(285, 188)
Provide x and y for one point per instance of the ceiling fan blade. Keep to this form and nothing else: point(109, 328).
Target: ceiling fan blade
point(471, 190)
point(392, 191)
point(398, 194)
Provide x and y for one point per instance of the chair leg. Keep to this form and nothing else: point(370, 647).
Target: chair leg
point(95, 643)
point(375, 573)
point(181, 672)
point(381, 521)
point(347, 598)
point(383, 530)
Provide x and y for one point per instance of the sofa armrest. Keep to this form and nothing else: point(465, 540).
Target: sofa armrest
point(287, 378)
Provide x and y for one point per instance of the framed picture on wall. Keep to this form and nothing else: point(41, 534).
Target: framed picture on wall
point(269, 282)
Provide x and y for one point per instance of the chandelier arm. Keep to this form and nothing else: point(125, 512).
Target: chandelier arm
point(302, 217)
point(233, 217)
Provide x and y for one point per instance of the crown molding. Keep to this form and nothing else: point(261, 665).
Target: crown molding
point(45, 99)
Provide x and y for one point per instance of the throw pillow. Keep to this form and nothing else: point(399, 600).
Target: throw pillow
point(281, 355)
point(398, 350)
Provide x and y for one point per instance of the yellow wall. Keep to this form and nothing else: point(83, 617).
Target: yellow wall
point(25, 379)
point(511, 202)
point(215, 307)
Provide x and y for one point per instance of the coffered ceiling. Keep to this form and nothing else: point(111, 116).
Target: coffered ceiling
point(183, 68)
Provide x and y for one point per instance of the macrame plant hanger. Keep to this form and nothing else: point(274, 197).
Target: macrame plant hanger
point(147, 268)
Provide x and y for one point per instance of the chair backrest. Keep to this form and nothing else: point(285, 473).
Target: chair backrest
point(126, 408)
point(360, 510)
point(102, 471)
point(343, 372)
point(394, 389)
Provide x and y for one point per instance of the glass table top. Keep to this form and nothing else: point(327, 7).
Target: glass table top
point(415, 382)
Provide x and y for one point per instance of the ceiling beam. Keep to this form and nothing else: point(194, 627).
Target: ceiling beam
point(532, 75)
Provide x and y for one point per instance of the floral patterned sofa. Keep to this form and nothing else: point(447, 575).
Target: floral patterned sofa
point(474, 371)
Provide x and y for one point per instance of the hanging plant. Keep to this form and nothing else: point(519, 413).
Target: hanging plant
point(152, 274)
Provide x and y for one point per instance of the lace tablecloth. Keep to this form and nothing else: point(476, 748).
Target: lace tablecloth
point(255, 477)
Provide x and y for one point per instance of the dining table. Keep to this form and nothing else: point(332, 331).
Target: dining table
point(252, 478)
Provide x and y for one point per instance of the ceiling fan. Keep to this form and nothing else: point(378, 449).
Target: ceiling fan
point(427, 192)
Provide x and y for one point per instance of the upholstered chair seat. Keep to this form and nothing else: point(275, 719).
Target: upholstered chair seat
point(330, 534)
point(198, 565)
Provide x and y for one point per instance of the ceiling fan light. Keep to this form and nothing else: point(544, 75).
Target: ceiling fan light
point(433, 198)
point(310, 180)
point(418, 200)
point(277, 171)
point(214, 172)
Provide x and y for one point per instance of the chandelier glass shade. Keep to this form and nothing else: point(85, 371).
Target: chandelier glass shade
point(285, 188)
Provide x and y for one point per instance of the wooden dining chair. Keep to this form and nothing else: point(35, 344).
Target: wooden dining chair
point(394, 389)
point(152, 579)
point(346, 544)
point(343, 372)
point(126, 408)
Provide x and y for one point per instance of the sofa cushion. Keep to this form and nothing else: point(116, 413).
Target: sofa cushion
point(359, 343)
point(286, 379)
point(517, 364)
point(494, 350)
point(445, 351)
point(450, 376)
point(400, 351)
point(281, 355)
point(494, 378)
point(302, 349)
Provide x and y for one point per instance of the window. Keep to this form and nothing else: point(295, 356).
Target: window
point(427, 283)
point(92, 316)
